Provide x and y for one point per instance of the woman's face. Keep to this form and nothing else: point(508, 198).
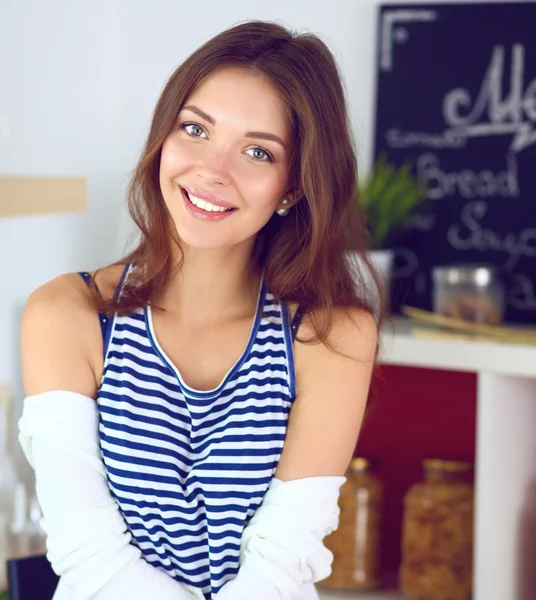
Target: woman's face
point(225, 166)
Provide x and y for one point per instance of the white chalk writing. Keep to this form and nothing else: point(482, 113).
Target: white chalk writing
point(468, 184)
point(512, 114)
point(405, 263)
point(470, 234)
point(411, 139)
point(424, 222)
point(521, 295)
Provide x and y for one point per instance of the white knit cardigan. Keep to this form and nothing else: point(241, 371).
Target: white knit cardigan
point(88, 543)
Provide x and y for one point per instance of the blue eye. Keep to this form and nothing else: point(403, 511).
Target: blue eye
point(261, 155)
point(193, 129)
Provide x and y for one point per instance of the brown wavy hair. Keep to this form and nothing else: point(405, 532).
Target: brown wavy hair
point(302, 254)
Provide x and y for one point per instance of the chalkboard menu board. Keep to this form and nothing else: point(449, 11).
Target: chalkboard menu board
point(456, 96)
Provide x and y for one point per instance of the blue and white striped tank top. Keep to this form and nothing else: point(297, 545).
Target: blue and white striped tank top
point(189, 468)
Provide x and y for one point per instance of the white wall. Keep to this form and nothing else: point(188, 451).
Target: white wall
point(59, 92)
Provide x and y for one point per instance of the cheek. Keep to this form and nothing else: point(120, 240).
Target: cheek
point(173, 160)
point(263, 187)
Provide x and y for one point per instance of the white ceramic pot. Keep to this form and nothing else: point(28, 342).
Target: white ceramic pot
point(382, 261)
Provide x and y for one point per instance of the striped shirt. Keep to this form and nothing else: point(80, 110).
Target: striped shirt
point(189, 468)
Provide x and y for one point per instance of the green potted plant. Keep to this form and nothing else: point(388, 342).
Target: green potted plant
point(388, 199)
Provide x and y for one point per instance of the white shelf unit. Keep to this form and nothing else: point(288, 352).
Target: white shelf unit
point(399, 346)
point(505, 469)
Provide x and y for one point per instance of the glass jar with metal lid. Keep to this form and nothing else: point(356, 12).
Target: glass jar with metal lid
point(437, 534)
point(470, 292)
point(356, 542)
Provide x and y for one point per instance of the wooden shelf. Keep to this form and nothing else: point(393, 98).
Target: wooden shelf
point(41, 195)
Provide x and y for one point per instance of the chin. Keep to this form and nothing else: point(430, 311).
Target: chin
point(205, 240)
point(213, 236)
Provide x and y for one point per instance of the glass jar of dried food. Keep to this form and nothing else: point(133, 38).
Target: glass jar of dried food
point(470, 293)
point(437, 534)
point(356, 542)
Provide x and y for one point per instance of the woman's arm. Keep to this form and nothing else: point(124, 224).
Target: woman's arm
point(87, 539)
point(332, 392)
point(282, 548)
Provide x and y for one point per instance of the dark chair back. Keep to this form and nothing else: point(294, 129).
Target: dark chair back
point(31, 578)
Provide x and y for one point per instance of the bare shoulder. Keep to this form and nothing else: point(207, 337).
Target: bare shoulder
point(61, 342)
point(354, 333)
point(61, 301)
point(56, 337)
point(338, 372)
point(353, 336)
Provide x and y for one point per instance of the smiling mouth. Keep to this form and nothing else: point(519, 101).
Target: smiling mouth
point(206, 206)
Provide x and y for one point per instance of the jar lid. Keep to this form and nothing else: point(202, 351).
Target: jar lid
point(359, 464)
point(478, 275)
point(451, 466)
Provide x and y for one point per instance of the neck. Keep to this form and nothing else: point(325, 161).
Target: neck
point(213, 285)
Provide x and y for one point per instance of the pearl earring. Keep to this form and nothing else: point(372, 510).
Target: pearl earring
point(283, 212)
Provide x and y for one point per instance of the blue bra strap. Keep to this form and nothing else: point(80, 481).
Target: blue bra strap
point(103, 318)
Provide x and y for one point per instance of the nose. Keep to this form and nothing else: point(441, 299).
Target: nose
point(213, 167)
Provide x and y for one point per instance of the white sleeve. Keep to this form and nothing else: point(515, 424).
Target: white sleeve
point(88, 543)
point(282, 548)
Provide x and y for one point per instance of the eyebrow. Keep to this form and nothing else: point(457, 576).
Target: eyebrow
point(262, 135)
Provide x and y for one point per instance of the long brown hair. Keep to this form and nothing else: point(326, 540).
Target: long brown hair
point(304, 253)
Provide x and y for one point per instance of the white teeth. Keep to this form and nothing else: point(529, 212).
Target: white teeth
point(204, 205)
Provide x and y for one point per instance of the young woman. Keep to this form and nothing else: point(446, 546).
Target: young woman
point(192, 409)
